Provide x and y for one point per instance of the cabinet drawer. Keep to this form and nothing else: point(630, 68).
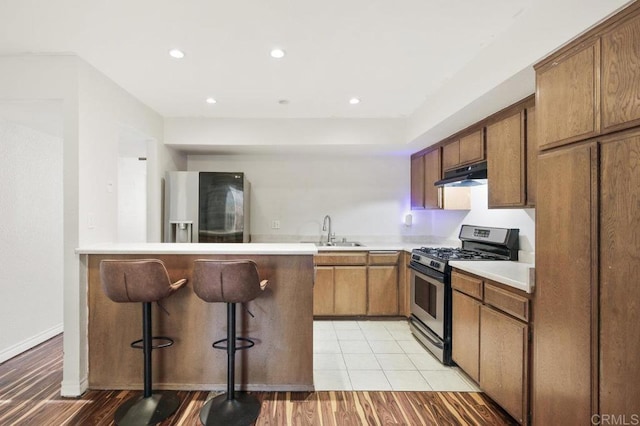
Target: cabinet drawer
point(466, 284)
point(341, 258)
point(383, 257)
point(506, 301)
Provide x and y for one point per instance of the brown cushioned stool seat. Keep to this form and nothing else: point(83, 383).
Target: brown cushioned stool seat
point(230, 282)
point(144, 281)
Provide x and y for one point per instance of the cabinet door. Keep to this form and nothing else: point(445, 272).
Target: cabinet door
point(505, 162)
point(451, 155)
point(432, 173)
point(620, 78)
point(323, 291)
point(383, 290)
point(620, 276)
point(465, 344)
point(472, 148)
point(567, 97)
point(417, 182)
point(504, 349)
point(350, 297)
point(563, 302)
point(532, 157)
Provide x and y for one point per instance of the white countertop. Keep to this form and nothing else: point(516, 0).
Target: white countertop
point(372, 247)
point(514, 274)
point(199, 248)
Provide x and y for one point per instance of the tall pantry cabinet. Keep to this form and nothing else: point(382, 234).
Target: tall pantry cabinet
point(586, 339)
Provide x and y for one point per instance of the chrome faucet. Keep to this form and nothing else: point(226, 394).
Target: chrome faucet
point(330, 237)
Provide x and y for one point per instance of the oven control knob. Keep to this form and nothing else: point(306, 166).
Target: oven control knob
point(435, 264)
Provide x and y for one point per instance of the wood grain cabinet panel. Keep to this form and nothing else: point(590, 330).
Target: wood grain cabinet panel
point(532, 157)
point(432, 173)
point(451, 155)
point(621, 76)
point(567, 98)
point(383, 290)
point(417, 182)
point(472, 148)
point(506, 301)
point(506, 162)
point(323, 291)
point(465, 334)
point(620, 275)
point(350, 297)
point(467, 284)
point(504, 361)
point(563, 301)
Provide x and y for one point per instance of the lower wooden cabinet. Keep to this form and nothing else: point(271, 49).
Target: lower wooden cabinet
point(504, 361)
point(357, 284)
point(490, 332)
point(383, 290)
point(323, 289)
point(465, 345)
point(350, 291)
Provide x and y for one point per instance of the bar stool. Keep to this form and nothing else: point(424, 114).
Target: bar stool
point(230, 282)
point(146, 281)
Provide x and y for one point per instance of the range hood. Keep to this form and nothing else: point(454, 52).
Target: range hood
point(475, 174)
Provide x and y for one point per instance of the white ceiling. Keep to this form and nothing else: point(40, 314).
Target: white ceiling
point(391, 54)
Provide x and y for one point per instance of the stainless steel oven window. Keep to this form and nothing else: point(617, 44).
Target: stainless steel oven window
point(427, 301)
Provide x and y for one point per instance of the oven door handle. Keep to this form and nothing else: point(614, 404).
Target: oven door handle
point(430, 336)
point(431, 273)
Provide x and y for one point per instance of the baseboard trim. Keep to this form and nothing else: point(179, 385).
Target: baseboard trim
point(73, 389)
point(29, 343)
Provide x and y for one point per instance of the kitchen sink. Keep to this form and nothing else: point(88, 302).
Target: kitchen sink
point(336, 244)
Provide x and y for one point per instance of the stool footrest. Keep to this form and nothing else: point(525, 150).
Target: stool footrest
point(138, 344)
point(218, 344)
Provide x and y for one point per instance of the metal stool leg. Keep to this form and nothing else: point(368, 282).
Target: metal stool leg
point(151, 408)
point(232, 408)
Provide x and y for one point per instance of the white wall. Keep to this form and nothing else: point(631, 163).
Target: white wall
point(365, 195)
point(445, 225)
point(94, 110)
point(502, 73)
point(233, 135)
point(31, 237)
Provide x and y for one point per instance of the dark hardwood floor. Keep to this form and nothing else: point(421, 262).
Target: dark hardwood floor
point(30, 395)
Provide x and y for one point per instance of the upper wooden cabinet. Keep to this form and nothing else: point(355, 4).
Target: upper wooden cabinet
point(417, 182)
point(432, 173)
point(506, 161)
point(467, 150)
point(620, 76)
point(472, 148)
point(451, 155)
point(532, 157)
point(426, 169)
point(567, 97)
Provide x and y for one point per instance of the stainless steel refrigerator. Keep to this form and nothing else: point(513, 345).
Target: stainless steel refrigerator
point(206, 207)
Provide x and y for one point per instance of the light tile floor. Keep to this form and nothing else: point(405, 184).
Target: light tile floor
point(378, 355)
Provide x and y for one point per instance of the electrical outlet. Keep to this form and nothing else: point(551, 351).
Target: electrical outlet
point(275, 224)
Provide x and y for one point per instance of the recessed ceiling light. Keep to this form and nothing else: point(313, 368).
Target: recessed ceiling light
point(176, 53)
point(354, 101)
point(211, 101)
point(277, 53)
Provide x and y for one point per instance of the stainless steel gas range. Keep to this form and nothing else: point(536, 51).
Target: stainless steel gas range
point(431, 295)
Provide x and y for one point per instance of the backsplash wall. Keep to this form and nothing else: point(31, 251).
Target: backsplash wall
point(366, 196)
point(363, 195)
point(445, 224)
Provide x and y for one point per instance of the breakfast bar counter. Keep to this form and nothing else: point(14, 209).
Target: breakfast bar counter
point(280, 321)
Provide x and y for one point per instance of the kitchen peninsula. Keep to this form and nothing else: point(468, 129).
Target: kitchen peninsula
point(280, 321)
